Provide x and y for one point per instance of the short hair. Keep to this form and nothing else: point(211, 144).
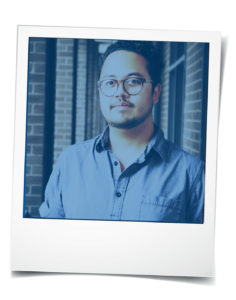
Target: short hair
point(151, 51)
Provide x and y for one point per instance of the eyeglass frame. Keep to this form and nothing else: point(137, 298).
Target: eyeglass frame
point(118, 82)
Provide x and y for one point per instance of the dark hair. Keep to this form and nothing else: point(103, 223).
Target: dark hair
point(151, 51)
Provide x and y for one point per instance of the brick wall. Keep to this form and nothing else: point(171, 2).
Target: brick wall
point(35, 125)
point(81, 90)
point(164, 99)
point(94, 118)
point(63, 98)
point(193, 98)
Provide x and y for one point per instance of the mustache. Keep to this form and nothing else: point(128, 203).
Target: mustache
point(121, 102)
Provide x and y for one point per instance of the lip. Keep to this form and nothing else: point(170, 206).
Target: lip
point(121, 105)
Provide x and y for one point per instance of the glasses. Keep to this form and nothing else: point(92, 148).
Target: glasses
point(132, 86)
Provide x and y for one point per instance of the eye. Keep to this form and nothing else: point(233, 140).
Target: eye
point(109, 83)
point(134, 82)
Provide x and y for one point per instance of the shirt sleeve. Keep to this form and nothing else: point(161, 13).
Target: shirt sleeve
point(52, 206)
point(195, 208)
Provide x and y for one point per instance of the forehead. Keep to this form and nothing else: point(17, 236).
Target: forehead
point(121, 63)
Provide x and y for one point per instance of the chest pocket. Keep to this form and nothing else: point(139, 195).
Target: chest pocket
point(162, 209)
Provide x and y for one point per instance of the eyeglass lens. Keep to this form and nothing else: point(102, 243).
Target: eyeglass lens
point(131, 85)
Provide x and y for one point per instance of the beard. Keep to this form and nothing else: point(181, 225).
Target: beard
point(132, 123)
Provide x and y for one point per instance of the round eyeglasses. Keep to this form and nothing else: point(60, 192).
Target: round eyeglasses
point(132, 86)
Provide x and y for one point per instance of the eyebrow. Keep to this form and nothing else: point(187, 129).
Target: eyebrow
point(130, 74)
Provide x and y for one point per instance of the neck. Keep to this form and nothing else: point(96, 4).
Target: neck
point(136, 137)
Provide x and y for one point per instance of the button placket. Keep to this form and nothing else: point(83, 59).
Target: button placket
point(116, 169)
point(119, 195)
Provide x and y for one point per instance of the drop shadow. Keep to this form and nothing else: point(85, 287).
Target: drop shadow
point(185, 279)
point(224, 47)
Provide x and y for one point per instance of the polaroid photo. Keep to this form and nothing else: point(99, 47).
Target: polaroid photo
point(115, 151)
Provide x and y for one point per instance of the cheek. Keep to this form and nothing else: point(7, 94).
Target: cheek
point(104, 105)
point(144, 105)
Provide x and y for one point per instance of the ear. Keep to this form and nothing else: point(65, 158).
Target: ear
point(156, 93)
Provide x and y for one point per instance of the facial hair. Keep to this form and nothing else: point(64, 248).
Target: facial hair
point(129, 124)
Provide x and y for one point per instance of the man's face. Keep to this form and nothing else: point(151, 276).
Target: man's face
point(123, 110)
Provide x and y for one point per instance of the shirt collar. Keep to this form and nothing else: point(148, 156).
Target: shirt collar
point(157, 142)
point(103, 142)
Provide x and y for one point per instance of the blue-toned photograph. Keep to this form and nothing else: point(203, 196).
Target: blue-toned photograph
point(116, 130)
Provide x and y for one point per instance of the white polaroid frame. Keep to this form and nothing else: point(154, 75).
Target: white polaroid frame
point(140, 248)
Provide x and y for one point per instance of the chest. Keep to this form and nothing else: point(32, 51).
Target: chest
point(99, 190)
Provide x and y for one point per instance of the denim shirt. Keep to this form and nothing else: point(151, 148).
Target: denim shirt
point(164, 184)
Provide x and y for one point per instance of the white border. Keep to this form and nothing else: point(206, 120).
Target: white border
point(114, 247)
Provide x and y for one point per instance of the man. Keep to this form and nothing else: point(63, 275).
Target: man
point(129, 172)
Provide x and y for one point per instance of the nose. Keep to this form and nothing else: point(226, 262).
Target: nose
point(120, 91)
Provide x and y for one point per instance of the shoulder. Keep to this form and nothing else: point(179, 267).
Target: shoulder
point(191, 163)
point(79, 150)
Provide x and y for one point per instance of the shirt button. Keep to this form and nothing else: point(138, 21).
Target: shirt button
point(116, 163)
point(118, 194)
